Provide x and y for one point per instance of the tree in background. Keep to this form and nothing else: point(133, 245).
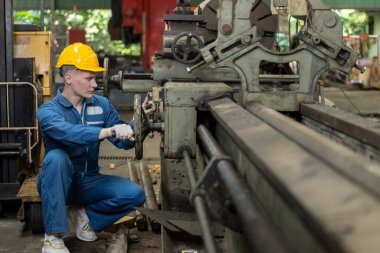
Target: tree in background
point(94, 22)
point(354, 22)
point(357, 23)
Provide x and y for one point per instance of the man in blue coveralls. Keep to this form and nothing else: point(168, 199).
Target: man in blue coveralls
point(73, 124)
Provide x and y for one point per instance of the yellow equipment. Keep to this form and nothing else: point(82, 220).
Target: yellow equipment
point(36, 45)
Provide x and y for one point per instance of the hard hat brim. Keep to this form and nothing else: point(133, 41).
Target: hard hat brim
point(98, 69)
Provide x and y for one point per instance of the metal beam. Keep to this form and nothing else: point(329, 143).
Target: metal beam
point(106, 4)
point(365, 130)
point(62, 4)
point(302, 192)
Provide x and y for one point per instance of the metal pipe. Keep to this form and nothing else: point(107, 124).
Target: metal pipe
point(200, 207)
point(261, 235)
point(8, 127)
point(42, 15)
point(28, 143)
point(52, 17)
point(141, 221)
point(132, 173)
point(9, 153)
point(151, 201)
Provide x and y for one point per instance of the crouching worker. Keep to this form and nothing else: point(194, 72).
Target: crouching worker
point(73, 124)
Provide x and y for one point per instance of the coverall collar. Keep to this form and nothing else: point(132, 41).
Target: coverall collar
point(66, 103)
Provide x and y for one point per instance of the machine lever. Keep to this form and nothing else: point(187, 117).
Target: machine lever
point(189, 69)
point(360, 68)
point(132, 138)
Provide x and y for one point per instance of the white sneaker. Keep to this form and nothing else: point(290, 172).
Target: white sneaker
point(84, 231)
point(54, 244)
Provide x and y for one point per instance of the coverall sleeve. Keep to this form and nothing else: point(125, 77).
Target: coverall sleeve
point(114, 119)
point(56, 127)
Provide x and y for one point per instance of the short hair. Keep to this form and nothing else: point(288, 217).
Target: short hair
point(65, 68)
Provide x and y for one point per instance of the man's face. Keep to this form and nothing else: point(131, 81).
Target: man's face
point(82, 83)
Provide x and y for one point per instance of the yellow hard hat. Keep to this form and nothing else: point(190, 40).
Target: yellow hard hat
point(81, 56)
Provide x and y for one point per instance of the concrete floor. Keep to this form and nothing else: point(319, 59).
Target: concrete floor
point(361, 102)
point(16, 236)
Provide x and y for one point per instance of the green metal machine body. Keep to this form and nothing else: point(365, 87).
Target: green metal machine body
point(238, 175)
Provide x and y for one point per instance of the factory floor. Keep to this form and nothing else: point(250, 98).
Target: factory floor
point(16, 236)
point(361, 102)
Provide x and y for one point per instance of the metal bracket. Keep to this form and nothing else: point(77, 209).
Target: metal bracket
point(218, 200)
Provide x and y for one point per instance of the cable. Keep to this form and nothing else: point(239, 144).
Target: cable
point(349, 100)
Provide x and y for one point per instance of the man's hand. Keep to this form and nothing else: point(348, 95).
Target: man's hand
point(148, 106)
point(122, 131)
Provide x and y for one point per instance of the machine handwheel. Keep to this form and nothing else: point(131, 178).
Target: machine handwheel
point(36, 218)
point(187, 52)
point(138, 124)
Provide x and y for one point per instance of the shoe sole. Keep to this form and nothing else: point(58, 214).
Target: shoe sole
point(83, 239)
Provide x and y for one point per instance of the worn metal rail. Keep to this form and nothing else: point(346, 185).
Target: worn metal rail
point(321, 195)
point(262, 236)
point(358, 133)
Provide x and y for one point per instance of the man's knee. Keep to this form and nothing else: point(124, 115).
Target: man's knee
point(139, 197)
point(58, 160)
point(132, 195)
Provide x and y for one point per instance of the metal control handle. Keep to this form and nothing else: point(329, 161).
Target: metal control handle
point(132, 138)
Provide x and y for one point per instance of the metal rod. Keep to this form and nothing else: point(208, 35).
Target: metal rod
point(151, 201)
point(132, 173)
point(200, 208)
point(7, 106)
point(42, 15)
point(28, 142)
point(9, 40)
point(18, 128)
point(9, 153)
point(261, 235)
point(141, 221)
point(35, 127)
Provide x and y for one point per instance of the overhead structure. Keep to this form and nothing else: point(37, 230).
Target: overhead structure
point(62, 5)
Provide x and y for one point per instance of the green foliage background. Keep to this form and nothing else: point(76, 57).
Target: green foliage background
point(94, 22)
point(354, 22)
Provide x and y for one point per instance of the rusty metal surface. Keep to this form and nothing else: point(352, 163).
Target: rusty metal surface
point(261, 16)
point(161, 217)
point(180, 222)
point(362, 129)
point(259, 231)
point(175, 187)
point(303, 193)
point(193, 228)
point(351, 165)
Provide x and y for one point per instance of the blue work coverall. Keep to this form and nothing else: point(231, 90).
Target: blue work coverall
point(70, 171)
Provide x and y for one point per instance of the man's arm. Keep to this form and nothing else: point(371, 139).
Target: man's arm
point(113, 121)
point(56, 127)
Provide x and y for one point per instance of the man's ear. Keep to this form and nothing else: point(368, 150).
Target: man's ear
point(68, 78)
